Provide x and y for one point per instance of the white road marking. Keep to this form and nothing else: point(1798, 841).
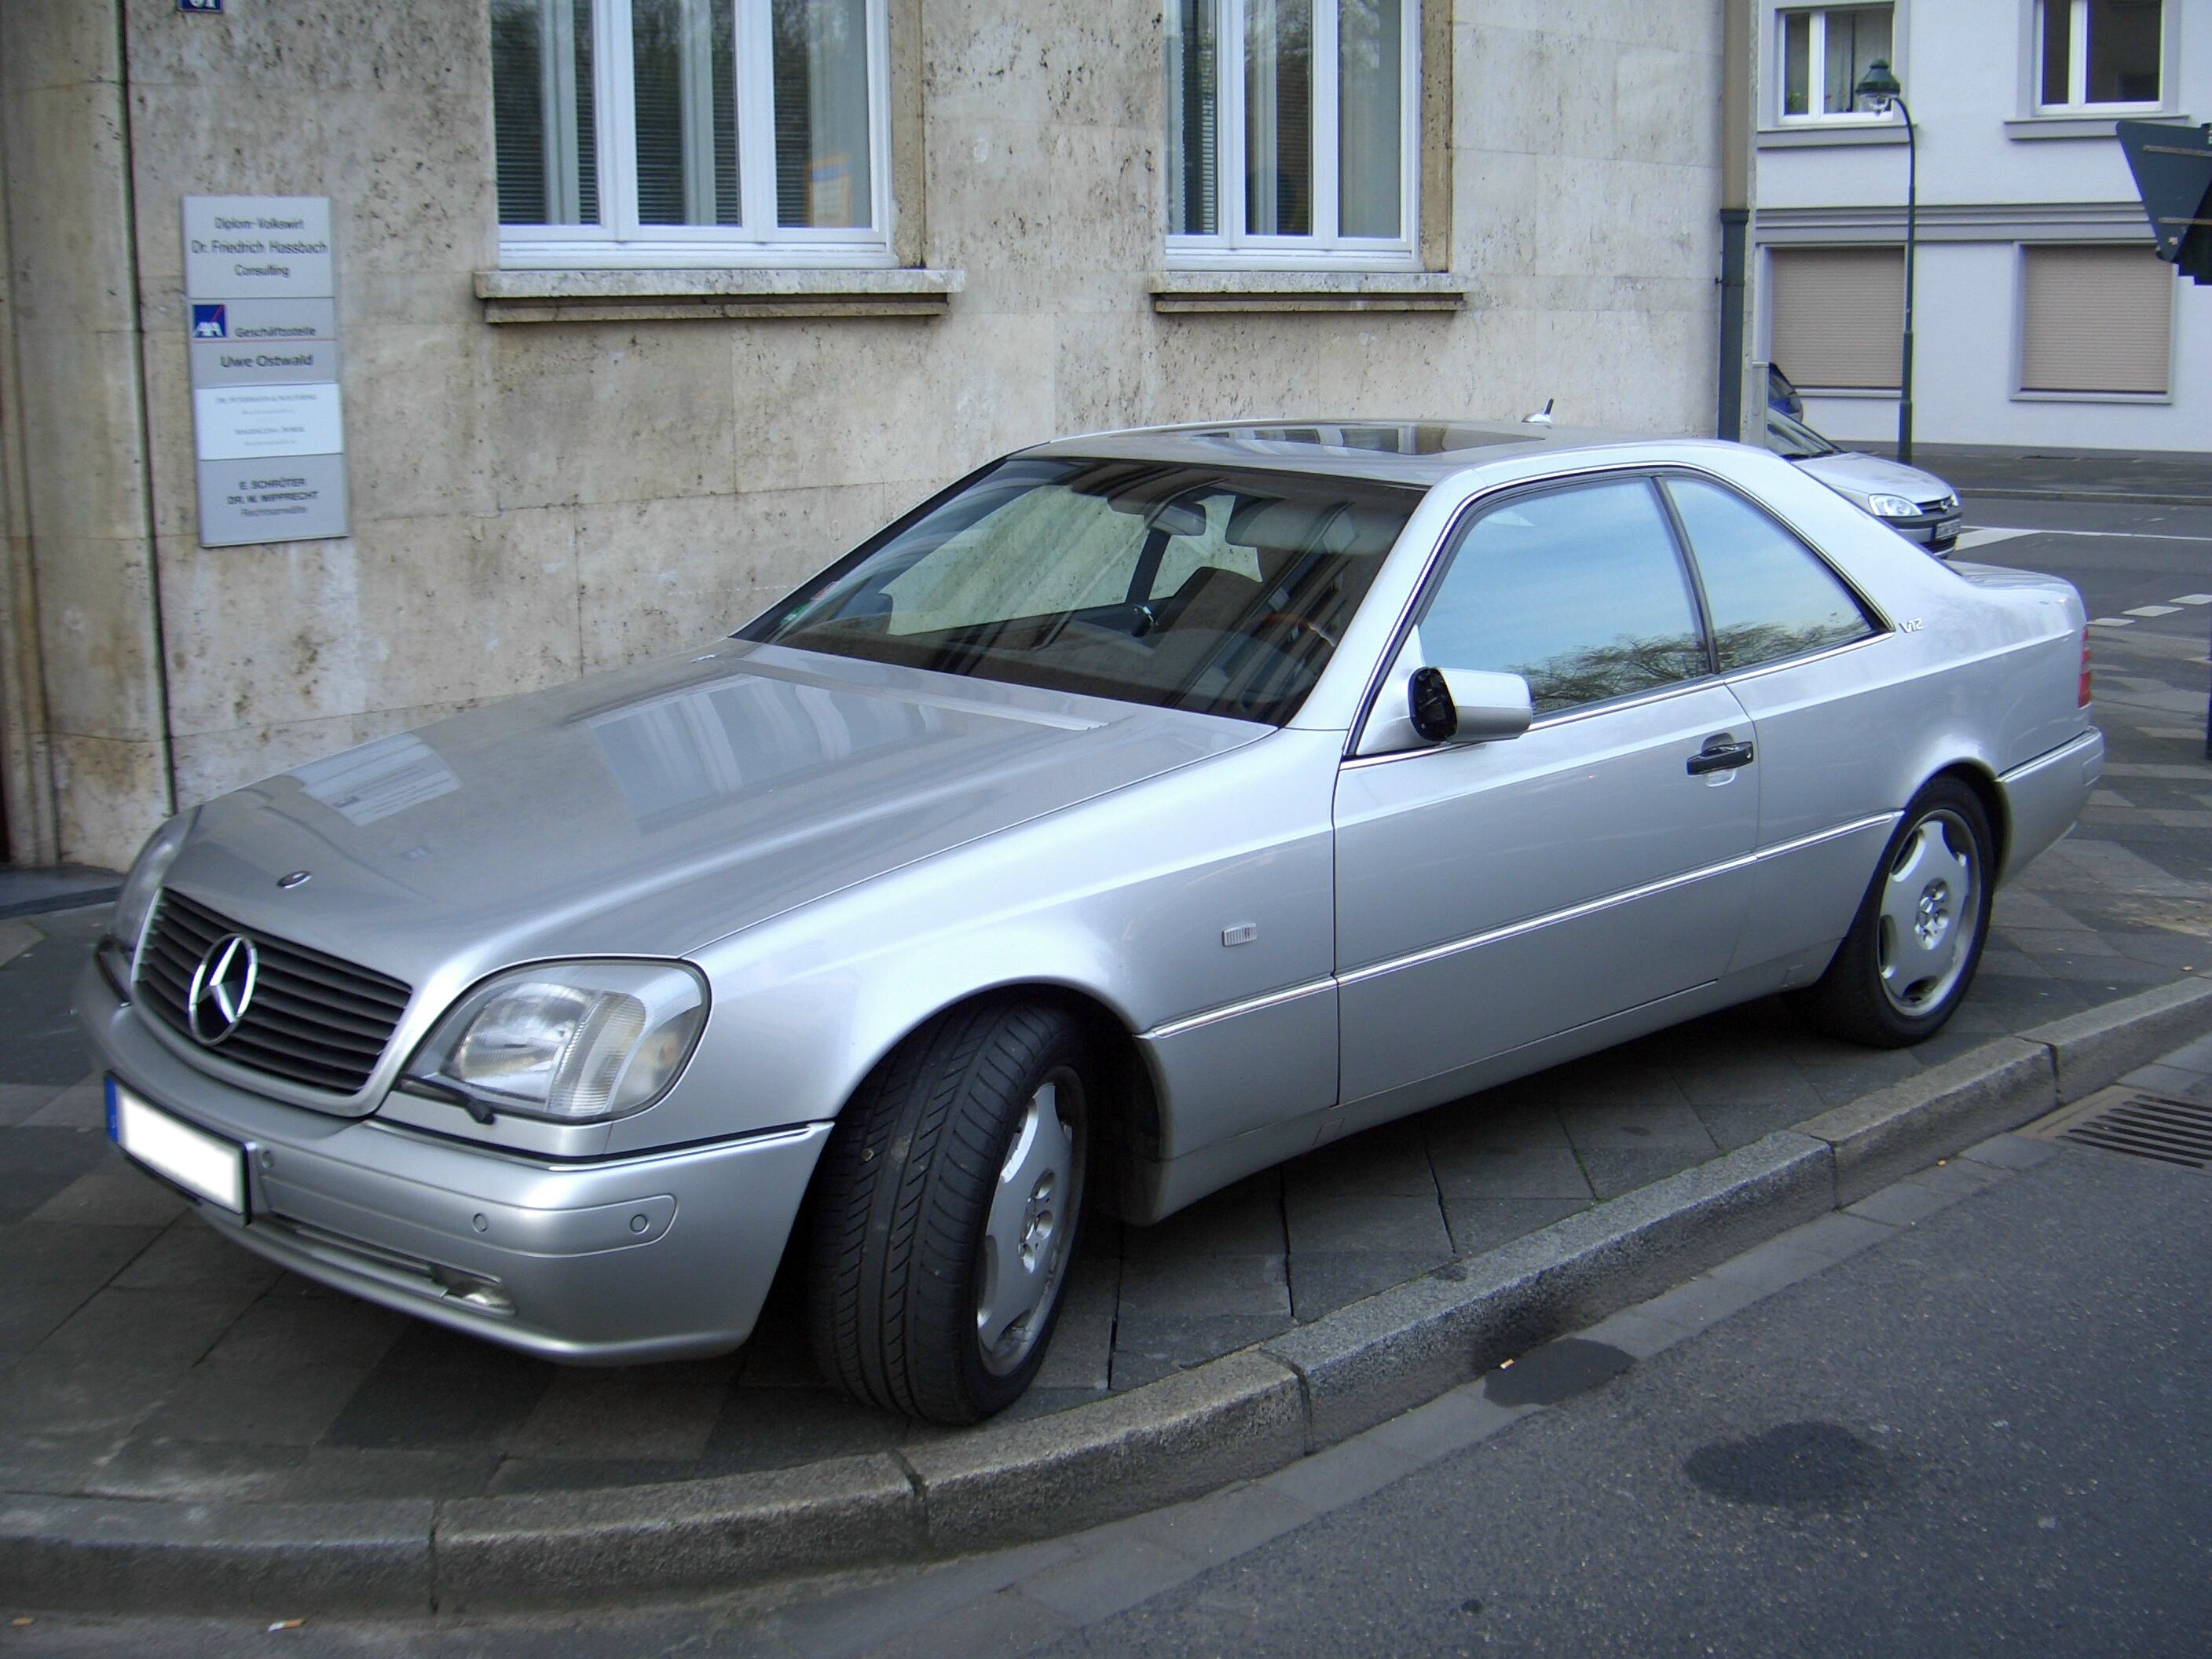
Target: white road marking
point(2192, 598)
point(2154, 610)
point(2112, 622)
point(1986, 538)
point(2107, 535)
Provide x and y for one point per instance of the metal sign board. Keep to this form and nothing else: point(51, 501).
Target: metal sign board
point(261, 321)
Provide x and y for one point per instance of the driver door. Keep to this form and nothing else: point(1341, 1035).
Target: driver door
point(1490, 895)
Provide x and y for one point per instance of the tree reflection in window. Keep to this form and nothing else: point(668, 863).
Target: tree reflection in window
point(1580, 591)
point(1770, 594)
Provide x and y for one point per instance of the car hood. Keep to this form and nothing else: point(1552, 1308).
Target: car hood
point(652, 811)
point(1860, 476)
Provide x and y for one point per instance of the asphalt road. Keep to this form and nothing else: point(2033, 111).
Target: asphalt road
point(1978, 1439)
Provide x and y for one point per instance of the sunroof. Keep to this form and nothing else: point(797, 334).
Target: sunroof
point(1386, 437)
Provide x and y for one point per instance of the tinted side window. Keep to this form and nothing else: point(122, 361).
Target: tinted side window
point(1578, 591)
point(1770, 594)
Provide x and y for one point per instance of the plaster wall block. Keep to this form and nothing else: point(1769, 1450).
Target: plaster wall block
point(429, 48)
point(110, 793)
point(65, 211)
point(96, 636)
point(1499, 225)
point(52, 46)
point(862, 400)
point(1063, 210)
point(212, 764)
point(172, 474)
point(405, 612)
point(1062, 61)
point(620, 412)
point(408, 171)
point(1538, 88)
point(1662, 24)
point(85, 449)
point(417, 420)
point(1651, 120)
point(661, 576)
point(1106, 372)
point(460, 610)
point(262, 634)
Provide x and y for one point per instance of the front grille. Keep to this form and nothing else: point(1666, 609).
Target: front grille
point(1941, 504)
point(313, 1019)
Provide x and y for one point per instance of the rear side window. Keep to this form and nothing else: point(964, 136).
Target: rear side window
point(1580, 591)
point(1770, 595)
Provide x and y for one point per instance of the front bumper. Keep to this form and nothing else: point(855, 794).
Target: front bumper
point(1936, 532)
point(659, 1255)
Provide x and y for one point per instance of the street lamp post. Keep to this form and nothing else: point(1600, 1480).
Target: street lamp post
point(1879, 90)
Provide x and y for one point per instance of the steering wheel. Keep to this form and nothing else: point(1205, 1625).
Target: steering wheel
point(1301, 625)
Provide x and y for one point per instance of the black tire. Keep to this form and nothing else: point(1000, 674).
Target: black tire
point(1869, 994)
point(904, 1266)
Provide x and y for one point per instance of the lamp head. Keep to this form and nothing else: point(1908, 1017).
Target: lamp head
point(1877, 88)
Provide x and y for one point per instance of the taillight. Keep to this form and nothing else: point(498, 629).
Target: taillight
point(2084, 701)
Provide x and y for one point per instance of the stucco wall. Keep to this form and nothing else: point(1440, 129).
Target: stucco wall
point(534, 502)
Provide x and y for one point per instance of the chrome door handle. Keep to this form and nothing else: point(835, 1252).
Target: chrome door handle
point(1719, 756)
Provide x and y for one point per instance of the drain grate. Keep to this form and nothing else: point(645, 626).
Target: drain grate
point(2140, 1124)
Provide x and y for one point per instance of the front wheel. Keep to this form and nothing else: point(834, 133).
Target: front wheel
point(945, 1211)
point(1906, 965)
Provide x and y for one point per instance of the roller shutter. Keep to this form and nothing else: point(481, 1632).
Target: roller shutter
point(1839, 315)
point(2096, 319)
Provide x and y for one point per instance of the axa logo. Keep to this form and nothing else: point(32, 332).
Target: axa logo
point(223, 988)
point(209, 323)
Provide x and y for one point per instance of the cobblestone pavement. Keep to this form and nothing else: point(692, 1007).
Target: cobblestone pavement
point(144, 1356)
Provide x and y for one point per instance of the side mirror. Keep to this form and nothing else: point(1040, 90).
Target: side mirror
point(1467, 705)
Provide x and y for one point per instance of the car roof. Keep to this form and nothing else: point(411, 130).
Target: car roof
point(1419, 453)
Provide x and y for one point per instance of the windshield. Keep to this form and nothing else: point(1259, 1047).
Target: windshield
point(1188, 587)
point(1794, 441)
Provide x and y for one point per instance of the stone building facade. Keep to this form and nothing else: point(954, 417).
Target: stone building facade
point(558, 468)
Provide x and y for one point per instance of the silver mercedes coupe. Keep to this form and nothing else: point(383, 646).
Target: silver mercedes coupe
point(1144, 810)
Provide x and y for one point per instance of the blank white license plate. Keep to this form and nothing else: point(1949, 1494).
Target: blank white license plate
point(195, 1160)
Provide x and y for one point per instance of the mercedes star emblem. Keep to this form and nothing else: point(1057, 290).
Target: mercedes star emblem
point(223, 988)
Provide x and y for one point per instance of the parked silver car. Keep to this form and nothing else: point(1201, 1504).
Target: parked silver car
point(1144, 810)
point(1918, 505)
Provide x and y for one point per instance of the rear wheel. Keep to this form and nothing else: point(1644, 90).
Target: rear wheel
point(1910, 957)
point(945, 1213)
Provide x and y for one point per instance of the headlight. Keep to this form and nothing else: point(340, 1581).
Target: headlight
point(575, 1042)
point(1891, 507)
point(136, 900)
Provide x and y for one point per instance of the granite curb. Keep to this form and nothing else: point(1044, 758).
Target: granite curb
point(1237, 1417)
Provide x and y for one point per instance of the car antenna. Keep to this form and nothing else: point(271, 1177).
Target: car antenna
point(1542, 416)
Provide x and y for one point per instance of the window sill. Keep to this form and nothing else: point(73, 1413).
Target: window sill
point(622, 296)
point(1195, 292)
point(2085, 125)
point(1815, 136)
point(2093, 397)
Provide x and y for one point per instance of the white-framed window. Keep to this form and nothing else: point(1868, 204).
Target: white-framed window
point(691, 132)
point(2100, 54)
point(1825, 53)
point(1293, 132)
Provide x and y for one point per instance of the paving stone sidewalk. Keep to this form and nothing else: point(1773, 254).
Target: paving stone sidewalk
point(143, 1356)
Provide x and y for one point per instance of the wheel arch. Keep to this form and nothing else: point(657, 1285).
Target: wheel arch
point(1991, 793)
point(1126, 1114)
